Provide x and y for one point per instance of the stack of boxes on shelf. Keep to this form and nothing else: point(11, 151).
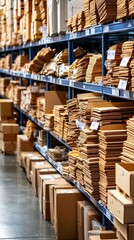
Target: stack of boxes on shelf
point(4, 82)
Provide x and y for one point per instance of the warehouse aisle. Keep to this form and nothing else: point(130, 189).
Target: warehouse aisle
point(20, 217)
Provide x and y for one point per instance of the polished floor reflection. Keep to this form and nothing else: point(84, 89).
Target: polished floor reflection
point(20, 217)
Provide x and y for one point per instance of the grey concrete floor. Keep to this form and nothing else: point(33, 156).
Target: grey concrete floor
point(20, 217)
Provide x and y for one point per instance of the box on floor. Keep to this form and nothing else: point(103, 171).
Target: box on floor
point(126, 230)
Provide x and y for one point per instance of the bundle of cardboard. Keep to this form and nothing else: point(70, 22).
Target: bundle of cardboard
point(58, 124)
point(73, 130)
point(58, 154)
point(20, 61)
point(111, 139)
point(94, 16)
point(131, 8)
point(43, 56)
point(87, 13)
point(41, 106)
point(4, 83)
point(17, 94)
point(122, 9)
point(107, 10)
point(128, 150)
point(10, 90)
point(113, 62)
point(49, 122)
point(73, 158)
point(30, 130)
point(43, 11)
point(94, 67)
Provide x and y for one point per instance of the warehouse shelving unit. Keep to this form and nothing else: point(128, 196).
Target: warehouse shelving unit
point(105, 33)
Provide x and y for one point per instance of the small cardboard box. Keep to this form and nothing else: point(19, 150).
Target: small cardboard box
point(23, 144)
point(51, 197)
point(120, 207)
point(125, 177)
point(126, 230)
point(65, 207)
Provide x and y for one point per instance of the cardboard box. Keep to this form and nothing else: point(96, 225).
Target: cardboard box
point(65, 207)
point(23, 144)
point(120, 207)
point(49, 179)
point(52, 188)
point(54, 98)
point(24, 156)
point(8, 146)
point(126, 230)
point(6, 108)
point(125, 177)
point(37, 166)
point(46, 209)
point(8, 137)
point(80, 218)
point(90, 213)
point(28, 26)
point(44, 171)
point(35, 157)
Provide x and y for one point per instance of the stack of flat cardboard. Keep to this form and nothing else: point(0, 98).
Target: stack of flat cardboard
point(17, 94)
point(20, 61)
point(64, 123)
point(111, 139)
point(61, 57)
point(57, 154)
point(128, 147)
point(8, 62)
point(84, 111)
point(132, 74)
point(89, 152)
point(41, 107)
point(79, 73)
point(73, 69)
point(94, 67)
point(131, 8)
point(4, 83)
point(122, 9)
point(94, 17)
point(107, 10)
point(75, 23)
point(69, 24)
point(29, 130)
point(87, 13)
point(43, 11)
point(49, 122)
point(73, 131)
point(58, 127)
point(79, 171)
point(73, 158)
point(10, 90)
point(43, 56)
point(113, 65)
point(81, 20)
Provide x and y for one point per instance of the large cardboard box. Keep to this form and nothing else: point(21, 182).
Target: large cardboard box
point(46, 209)
point(126, 230)
point(51, 197)
point(120, 207)
point(49, 179)
point(36, 157)
point(8, 146)
point(24, 156)
point(23, 144)
point(6, 108)
point(125, 177)
point(54, 98)
point(80, 218)
point(65, 207)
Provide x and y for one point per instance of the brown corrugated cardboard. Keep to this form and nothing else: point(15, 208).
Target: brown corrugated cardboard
point(36, 157)
point(8, 146)
point(6, 108)
point(54, 98)
point(65, 207)
point(23, 144)
point(8, 137)
point(121, 207)
point(24, 156)
point(49, 179)
point(125, 177)
point(108, 234)
point(51, 197)
point(127, 230)
point(90, 213)
point(80, 218)
point(46, 209)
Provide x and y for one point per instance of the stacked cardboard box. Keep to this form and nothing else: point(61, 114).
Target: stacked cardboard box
point(58, 125)
point(49, 122)
point(17, 94)
point(58, 154)
point(36, 21)
point(94, 16)
point(8, 136)
point(4, 82)
point(122, 9)
point(87, 13)
point(121, 200)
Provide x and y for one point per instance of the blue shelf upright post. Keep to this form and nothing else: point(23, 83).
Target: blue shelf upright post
point(31, 56)
point(70, 61)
